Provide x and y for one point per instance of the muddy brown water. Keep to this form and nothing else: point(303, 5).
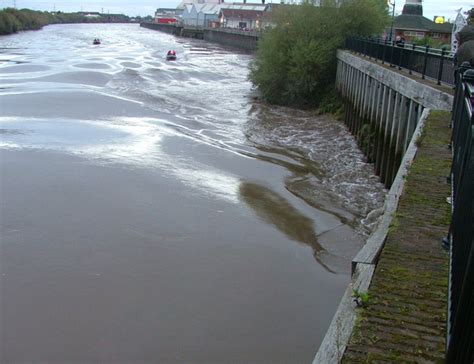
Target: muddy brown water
point(155, 212)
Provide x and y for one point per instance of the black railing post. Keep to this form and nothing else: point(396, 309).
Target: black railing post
point(377, 49)
point(413, 46)
point(370, 48)
point(441, 65)
point(391, 53)
point(425, 62)
point(400, 58)
point(384, 50)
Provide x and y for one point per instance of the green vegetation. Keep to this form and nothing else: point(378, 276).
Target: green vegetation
point(470, 16)
point(433, 43)
point(331, 103)
point(360, 298)
point(13, 20)
point(296, 60)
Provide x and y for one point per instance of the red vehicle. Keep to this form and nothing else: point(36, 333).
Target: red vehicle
point(166, 20)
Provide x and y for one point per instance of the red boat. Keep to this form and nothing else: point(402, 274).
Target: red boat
point(171, 56)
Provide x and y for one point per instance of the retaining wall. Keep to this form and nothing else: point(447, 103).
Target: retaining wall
point(386, 111)
point(237, 39)
point(383, 108)
point(225, 36)
point(166, 28)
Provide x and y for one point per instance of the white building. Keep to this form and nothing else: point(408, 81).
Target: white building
point(208, 14)
point(233, 15)
point(186, 15)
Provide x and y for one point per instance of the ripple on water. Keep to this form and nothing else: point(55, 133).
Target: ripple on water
point(97, 66)
point(130, 64)
point(339, 181)
point(83, 78)
point(24, 68)
point(71, 104)
point(91, 78)
point(206, 216)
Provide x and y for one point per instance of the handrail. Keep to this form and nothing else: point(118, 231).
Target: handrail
point(432, 63)
point(460, 333)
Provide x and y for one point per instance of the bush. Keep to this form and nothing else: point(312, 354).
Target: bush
point(8, 23)
point(296, 60)
point(13, 20)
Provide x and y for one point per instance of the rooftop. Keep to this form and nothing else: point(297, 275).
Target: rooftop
point(418, 22)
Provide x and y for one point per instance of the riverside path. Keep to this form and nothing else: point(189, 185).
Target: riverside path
point(404, 319)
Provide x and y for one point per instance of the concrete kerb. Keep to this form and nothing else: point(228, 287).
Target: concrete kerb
point(337, 337)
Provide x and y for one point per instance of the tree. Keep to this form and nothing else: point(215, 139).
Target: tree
point(8, 23)
point(470, 16)
point(296, 60)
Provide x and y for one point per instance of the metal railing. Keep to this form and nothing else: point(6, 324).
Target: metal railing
point(460, 332)
point(432, 63)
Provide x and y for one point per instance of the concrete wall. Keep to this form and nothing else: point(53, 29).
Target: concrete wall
point(167, 28)
point(383, 108)
point(229, 37)
point(233, 38)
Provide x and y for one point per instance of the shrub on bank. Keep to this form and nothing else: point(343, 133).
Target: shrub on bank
point(8, 23)
point(296, 60)
point(13, 20)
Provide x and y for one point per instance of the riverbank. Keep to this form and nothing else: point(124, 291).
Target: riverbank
point(402, 315)
point(13, 20)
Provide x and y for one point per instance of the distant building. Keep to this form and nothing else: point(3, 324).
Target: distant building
point(90, 14)
point(230, 15)
point(241, 18)
point(413, 25)
point(185, 18)
point(208, 15)
point(165, 15)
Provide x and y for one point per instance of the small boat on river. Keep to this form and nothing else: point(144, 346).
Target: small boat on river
point(96, 41)
point(171, 56)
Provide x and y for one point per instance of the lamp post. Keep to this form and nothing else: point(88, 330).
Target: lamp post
point(393, 18)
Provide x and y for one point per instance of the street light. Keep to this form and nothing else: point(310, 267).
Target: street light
point(393, 17)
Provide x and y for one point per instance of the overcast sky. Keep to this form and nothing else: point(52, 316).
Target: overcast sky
point(431, 8)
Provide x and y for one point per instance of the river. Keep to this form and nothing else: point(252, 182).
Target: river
point(158, 212)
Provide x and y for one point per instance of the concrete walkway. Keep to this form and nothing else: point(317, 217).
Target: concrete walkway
point(405, 318)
